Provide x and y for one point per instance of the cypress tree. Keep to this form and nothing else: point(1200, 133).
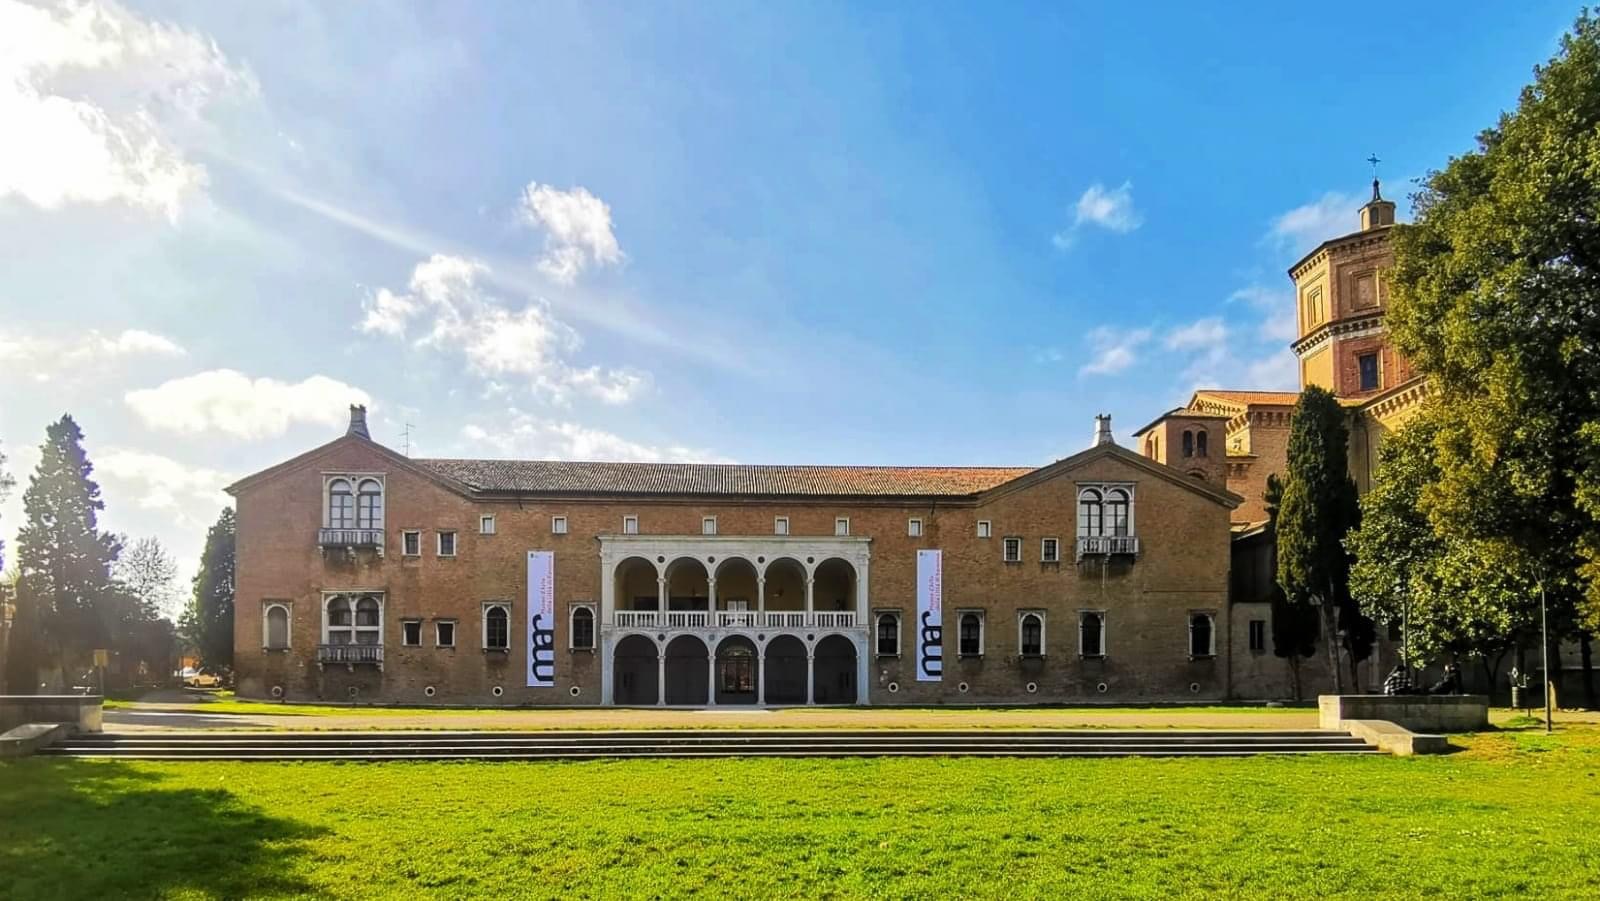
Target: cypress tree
point(209, 622)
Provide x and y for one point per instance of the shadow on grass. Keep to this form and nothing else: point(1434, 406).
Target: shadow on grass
point(103, 829)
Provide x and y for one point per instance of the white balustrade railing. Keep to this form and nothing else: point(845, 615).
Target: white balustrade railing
point(836, 620)
point(687, 619)
point(732, 619)
point(635, 619)
point(786, 620)
point(1107, 545)
point(736, 619)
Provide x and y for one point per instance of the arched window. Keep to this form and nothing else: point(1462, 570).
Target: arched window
point(277, 635)
point(369, 505)
point(339, 620)
point(369, 620)
point(1116, 521)
point(1032, 635)
point(1200, 444)
point(888, 635)
point(496, 628)
point(1089, 513)
point(971, 635)
point(583, 628)
point(1091, 635)
point(1200, 634)
point(1188, 443)
point(341, 505)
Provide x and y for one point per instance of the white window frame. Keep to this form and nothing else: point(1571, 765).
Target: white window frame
point(1044, 623)
point(288, 625)
point(406, 622)
point(483, 626)
point(877, 649)
point(486, 524)
point(438, 542)
point(558, 525)
point(630, 525)
point(410, 533)
point(1006, 544)
point(708, 525)
point(1189, 645)
point(985, 529)
point(355, 479)
point(1102, 616)
point(914, 527)
point(594, 628)
point(841, 527)
point(780, 525)
point(355, 596)
point(1103, 490)
point(983, 629)
point(1044, 544)
point(455, 627)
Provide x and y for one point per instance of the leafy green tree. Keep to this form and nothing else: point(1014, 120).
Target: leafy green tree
point(1454, 601)
point(208, 625)
point(6, 484)
point(63, 559)
point(1316, 513)
point(1294, 626)
point(1493, 297)
point(149, 576)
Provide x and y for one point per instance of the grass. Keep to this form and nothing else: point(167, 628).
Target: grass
point(1514, 814)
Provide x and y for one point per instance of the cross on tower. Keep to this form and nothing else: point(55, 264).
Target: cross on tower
point(1374, 161)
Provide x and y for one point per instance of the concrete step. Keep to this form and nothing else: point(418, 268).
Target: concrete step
point(573, 745)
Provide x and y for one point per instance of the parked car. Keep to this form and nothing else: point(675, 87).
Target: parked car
point(201, 678)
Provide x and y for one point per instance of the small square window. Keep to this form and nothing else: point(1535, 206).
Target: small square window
point(914, 527)
point(984, 528)
point(841, 526)
point(447, 543)
point(630, 525)
point(708, 525)
point(558, 525)
point(411, 633)
point(411, 543)
point(1012, 550)
point(888, 635)
point(486, 525)
point(1050, 550)
point(444, 633)
point(1368, 366)
point(780, 525)
point(1258, 635)
point(1202, 635)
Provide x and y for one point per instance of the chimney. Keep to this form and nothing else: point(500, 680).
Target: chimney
point(358, 421)
point(1102, 430)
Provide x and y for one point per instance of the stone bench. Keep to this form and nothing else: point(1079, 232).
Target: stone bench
point(30, 737)
point(1418, 713)
point(1395, 739)
point(82, 712)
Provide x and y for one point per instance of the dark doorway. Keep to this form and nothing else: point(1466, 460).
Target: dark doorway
point(634, 673)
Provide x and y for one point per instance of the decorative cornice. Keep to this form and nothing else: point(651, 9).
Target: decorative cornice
point(1360, 325)
point(1353, 241)
point(1399, 398)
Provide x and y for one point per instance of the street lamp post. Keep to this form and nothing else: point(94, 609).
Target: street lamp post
point(1544, 634)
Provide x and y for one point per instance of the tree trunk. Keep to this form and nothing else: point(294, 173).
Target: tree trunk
point(1331, 637)
point(1294, 674)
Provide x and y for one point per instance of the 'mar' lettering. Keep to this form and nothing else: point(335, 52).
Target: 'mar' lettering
point(542, 641)
point(932, 657)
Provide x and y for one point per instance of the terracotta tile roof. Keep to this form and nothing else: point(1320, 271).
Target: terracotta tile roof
point(558, 477)
point(1280, 398)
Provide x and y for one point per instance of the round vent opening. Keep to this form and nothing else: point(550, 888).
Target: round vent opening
point(497, 691)
point(894, 687)
point(1031, 688)
point(354, 691)
point(1102, 688)
point(277, 691)
point(575, 691)
point(428, 692)
point(963, 688)
point(1194, 688)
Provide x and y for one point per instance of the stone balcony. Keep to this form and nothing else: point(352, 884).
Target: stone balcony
point(732, 619)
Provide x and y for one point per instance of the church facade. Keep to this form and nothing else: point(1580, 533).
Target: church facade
point(1113, 575)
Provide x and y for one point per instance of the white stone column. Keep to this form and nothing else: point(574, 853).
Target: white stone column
point(863, 667)
point(761, 675)
point(603, 642)
point(661, 597)
point(711, 677)
point(862, 596)
point(711, 600)
point(661, 680)
point(811, 678)
point(761, 601)
point(811, 584)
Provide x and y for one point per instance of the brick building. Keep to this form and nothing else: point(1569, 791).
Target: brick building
point(366, 574)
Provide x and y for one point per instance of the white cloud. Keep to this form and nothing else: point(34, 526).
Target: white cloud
point(1278, 372)
point(524, 436)
point(1113, 350)
point(233, 404)
point(1198, 335)
point(162, 483)
point(42, 358)
point(1306, 226)
point(577, 227)
point(1099, 207)
point(447, 299)
point(97, 102)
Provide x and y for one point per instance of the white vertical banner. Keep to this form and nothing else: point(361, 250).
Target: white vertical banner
point(541, 619)
point(930, 616)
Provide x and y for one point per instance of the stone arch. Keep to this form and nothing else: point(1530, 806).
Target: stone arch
point(634, 671)
point(786, 585)
point(834, 666)
point(738, 671)
point(688, 584)
point(688, 671)
point(635, 585)
point(834, 589)
point(737, 588)
point(785, 670)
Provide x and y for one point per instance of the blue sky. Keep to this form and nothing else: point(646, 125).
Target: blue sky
point(820, 233)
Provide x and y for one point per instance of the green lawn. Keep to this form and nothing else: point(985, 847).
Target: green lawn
point(1515, 814)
